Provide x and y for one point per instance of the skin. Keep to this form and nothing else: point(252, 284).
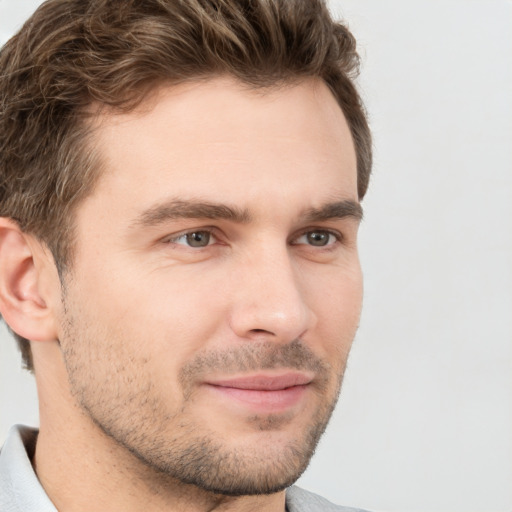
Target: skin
point(133, 352)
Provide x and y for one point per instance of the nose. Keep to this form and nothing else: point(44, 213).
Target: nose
point(270, 299)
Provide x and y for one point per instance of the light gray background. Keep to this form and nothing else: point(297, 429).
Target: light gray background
point(425, 418)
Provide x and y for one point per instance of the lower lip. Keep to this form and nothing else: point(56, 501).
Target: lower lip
point(278, 400)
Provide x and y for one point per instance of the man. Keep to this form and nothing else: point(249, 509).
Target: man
point(180, 200)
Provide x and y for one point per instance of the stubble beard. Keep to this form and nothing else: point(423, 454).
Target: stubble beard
point(190, 453)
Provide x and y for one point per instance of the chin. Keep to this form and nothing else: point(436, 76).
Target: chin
point(266, 462)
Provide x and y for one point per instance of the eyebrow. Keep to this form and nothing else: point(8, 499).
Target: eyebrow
point(336, 210)
point(182, 209)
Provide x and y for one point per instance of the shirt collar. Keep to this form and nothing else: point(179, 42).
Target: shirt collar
point(20, 489)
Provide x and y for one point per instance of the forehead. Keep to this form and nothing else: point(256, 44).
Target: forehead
point(223, 141)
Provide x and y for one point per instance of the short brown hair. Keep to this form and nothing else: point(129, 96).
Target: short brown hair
point(73, 53)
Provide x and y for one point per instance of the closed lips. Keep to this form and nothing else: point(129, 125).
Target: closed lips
point(264, 382)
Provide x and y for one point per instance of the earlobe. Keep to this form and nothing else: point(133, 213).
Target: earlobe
point(22, 305)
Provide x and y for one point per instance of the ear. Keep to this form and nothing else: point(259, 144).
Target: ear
point(23, 291)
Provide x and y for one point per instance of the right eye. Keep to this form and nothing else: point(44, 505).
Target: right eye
point(194, 239)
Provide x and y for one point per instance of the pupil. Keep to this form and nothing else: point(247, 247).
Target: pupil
point(198, 239)
point(318, 239)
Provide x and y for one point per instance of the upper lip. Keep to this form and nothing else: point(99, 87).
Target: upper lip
point(264, 382)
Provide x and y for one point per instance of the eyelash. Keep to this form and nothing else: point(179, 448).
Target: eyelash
point(338, 237)
point(212, 233)
point(175, 238)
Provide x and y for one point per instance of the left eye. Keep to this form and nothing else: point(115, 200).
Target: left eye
point(194, 239)
point(317, 238)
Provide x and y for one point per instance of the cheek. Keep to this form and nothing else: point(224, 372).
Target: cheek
point(337, 306)
point(336, 291)
point(165, 318)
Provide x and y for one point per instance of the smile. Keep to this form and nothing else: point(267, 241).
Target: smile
point(263, 393)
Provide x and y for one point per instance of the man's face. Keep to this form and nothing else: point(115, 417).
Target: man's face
point(216, 286)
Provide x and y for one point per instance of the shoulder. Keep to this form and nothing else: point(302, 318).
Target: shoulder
point(299, 500)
